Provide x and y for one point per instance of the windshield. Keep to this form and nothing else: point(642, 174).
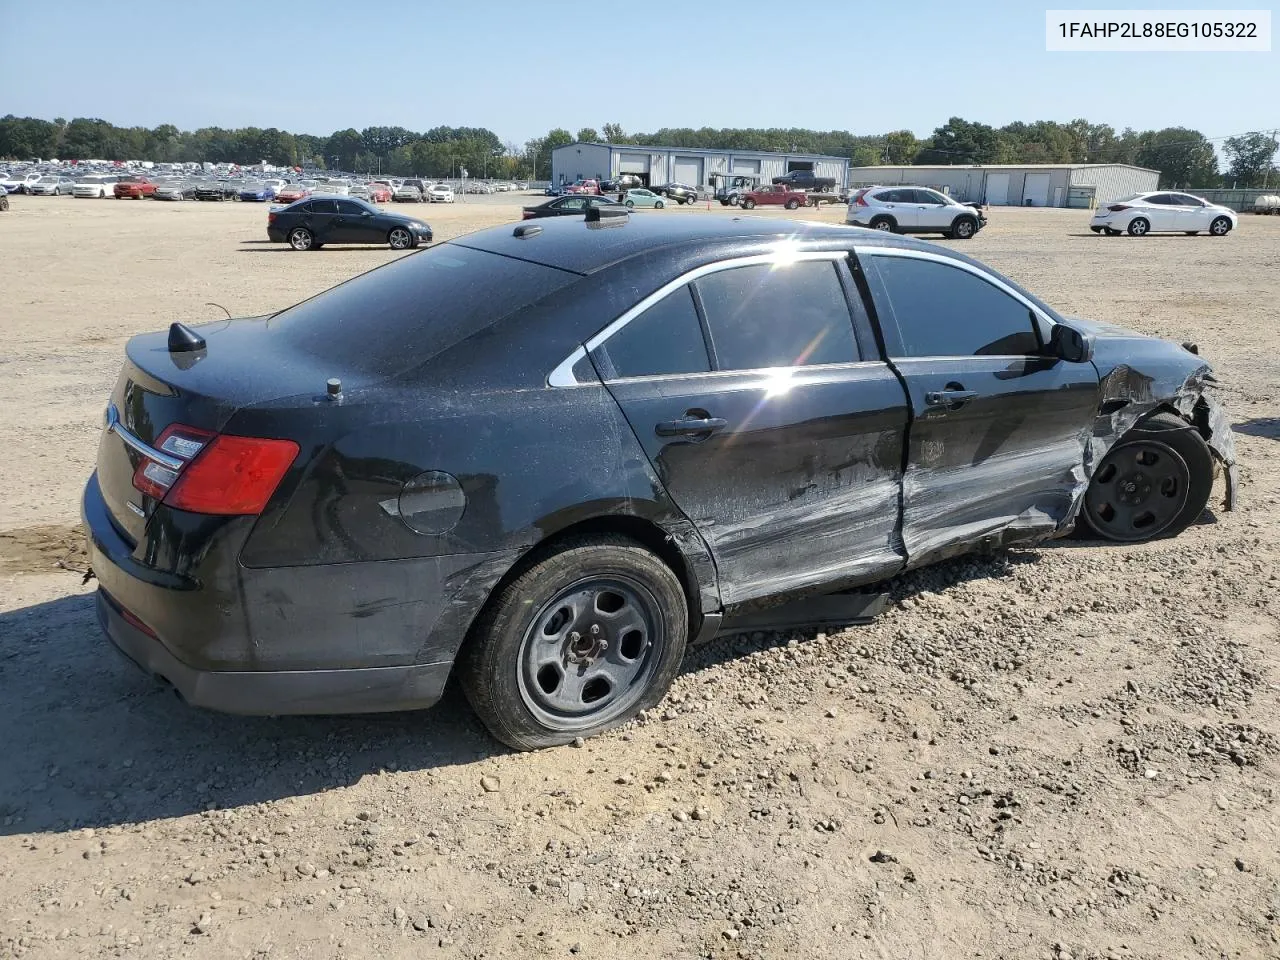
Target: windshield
point(391, 319)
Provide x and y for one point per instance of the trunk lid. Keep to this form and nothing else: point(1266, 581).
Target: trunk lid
point(244, 362)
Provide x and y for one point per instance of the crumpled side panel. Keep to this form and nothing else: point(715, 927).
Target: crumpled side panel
point(1129, 395)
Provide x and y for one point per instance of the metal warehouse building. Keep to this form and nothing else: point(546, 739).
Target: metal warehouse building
point(658, 165)
point(1021, 185)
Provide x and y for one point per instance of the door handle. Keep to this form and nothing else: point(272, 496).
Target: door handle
point(951, 397)
point(690, 425)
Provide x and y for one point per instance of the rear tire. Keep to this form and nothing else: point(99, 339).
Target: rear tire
point(300, 238)
point(1153, 483)
point(1139, 227)
point(886, 224)
point(588, 636)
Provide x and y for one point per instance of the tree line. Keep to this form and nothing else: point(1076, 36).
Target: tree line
point(1185, 157)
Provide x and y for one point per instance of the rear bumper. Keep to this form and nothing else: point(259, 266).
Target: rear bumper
point(276, 692)
point(354, 637)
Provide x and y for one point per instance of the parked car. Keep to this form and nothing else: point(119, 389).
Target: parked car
point(96, 187)
point(407, 194)
point(258, 191)
point(914, 210)
point(380, 192)
point(806, 180)
point(583, 186)
point(421, 185)
point(175, 190)
point(292, 192)
point(679, 192)
point(1162, 211)
point(19, 183)
point(640, 197)
point(730, 187)
point(440, 193)
point(51, 186)
point(360, 191)
point(528, 468)
point(775, 196)
point(312, 222)
point(212, 190)
point(134, 188)
point(568, 207)
point(553, 190)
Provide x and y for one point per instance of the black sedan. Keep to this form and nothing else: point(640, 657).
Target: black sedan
point(573, 205)
point(680, 192)
point(310, 223)
point(549, 456)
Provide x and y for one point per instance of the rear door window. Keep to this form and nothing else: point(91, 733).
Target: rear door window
point(777, 315)
point(400, 315)
point(324, 206)
point(665, 340)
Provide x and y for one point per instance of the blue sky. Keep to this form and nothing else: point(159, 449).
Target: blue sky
point(521, 68)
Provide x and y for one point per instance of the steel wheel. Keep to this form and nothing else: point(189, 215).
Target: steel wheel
point(590, 653)
point(1139, 490)
point(1220, 227)
point(400, 239)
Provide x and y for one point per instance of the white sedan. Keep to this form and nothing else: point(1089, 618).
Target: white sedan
point(1162, 212)
point(95, 187)
point(440, 193)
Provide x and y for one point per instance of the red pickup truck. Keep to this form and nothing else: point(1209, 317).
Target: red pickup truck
point(134, 187)
point(775, 195)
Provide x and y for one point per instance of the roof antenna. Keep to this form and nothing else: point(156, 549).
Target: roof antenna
point(220, 307)
point(182, 339)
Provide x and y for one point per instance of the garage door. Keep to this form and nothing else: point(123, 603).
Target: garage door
point(998, 189)
point(1035, 190)
point(633, 163)
point(748, 167)
point(688, 170)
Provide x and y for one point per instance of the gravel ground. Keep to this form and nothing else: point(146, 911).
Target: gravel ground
point(1063, 752)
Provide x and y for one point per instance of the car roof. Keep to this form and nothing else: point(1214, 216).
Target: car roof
point(570, 243)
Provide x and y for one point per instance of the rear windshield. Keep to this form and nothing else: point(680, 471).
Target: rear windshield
point(391, 319)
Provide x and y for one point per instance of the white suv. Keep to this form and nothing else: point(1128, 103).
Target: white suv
point(914, 210)
point(1162, 212)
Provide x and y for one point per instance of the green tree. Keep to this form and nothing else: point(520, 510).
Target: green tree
point(899, 147)
point(1251, 159)
point(1183, 156)
point(588, 135)
point(961, 141)
point(558, 137)
point(613, 133)
point(341, 148)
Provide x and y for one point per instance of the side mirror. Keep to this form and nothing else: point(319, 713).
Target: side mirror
point(1067, 343)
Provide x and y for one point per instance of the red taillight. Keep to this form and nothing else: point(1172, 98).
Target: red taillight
point(861, 198)
point(233, 476)
point(1117, 207)
point(178, 441)
point(271, 217)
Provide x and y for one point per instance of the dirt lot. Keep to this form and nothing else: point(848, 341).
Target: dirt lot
point(1071, 751)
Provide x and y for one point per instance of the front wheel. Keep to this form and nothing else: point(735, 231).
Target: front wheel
point(1139, 227)
point(300, 238)
point(657, 205)
point(580, 642)
point(964, 228)
point(400, 239)
point(630, 204)
point(748, 204)
point(1220, 227)
point(1154, 483)
point(792, 204)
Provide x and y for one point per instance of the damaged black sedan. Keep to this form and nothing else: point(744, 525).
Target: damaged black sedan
point(548, 457)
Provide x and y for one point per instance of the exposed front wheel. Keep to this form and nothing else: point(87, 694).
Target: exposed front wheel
point(1154, 483)
point(581, 641)
point(1139, 226)
point(1220, 227)
point(964, 228)
point(630, 204)
point(658, 205)
point(300, 238)
point(400, 239)
point(748, 204)
point(792, 204)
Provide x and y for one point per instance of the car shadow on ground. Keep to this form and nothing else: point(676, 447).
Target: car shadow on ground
point(90, 741)
point(1268, 427)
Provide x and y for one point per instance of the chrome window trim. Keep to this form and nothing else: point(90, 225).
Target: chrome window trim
point(862, 250)
point(754, 371)
point(562, 375)
point(114, 425)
